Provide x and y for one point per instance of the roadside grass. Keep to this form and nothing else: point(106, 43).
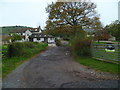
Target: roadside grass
point(69, 43)
point(115, 41)
point(99, 42)
point(107, 56)
point(99, 65)
point(3, 49)
point(9, 64)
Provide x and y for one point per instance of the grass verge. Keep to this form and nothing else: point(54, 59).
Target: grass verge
point(9, 64)
point(99, 65)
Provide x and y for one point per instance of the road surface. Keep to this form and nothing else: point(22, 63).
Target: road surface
point(54, 68)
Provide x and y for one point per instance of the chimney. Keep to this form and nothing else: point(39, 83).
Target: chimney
point(39, 28)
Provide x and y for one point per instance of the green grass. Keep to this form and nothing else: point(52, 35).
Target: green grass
point(8, 29)
point(95, 42)
point(3, 49)
point(9, 64)
point(99, 52)
point(115, 41)
point(69, 43)
point(99, 65)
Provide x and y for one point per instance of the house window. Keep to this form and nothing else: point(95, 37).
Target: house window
point(39, 38)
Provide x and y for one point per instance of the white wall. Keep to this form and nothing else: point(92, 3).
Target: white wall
point(20, 40)
point(36, 40)
point(42, 39)
point(51, 40)
point(23, 33)
point(27, 34)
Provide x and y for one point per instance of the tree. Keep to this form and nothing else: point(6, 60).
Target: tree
point(102, 35)
point(72, 16)
point(16, 37)
point(114, 29)
point(6, 39)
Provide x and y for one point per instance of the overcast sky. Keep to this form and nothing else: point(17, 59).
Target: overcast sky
point(32, 12)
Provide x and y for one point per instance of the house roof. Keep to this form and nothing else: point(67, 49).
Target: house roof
point(40, 35)
point(25, 29)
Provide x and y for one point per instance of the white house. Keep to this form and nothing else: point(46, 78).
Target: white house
point(33, 35)
point(39, 37)
point(112, 38)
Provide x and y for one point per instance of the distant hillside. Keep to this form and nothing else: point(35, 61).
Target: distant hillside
point(8, 29)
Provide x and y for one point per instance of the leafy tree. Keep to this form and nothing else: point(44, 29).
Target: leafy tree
point(6, 38)
point(102, 35)
point(69, 16)
point(114, 29)
point(16, 37)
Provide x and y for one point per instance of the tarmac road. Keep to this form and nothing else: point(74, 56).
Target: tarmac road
point(54, 68)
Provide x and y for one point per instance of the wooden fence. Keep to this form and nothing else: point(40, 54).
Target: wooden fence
point(99, 52)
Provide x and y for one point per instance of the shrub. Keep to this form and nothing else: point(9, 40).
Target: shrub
point(16, 37)
point(58, 42)
point(81, 46)
point(30, 44)
point(16, 49)
point(25, 49)
point(4, 51)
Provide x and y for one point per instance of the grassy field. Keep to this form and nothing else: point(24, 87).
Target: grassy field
point(9, 64)
point(99, 42)
point(8, 29)
point(98, 51)
point(99, 65)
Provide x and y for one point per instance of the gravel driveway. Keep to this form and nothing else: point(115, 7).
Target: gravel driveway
point(54, 68)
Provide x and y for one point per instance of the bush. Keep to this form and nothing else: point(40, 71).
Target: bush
point(16, 37)
point(20, 53)
point(24, 49)
point(16, 49)
point(4, 51)
point(58, 42)
point(30, 44)
point(81, 46)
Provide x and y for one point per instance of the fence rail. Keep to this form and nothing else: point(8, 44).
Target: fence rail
point(99, 52)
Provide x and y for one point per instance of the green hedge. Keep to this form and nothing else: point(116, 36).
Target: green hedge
point(20, 52)
point(81, 46)
point(58, 42)
point(23, 48)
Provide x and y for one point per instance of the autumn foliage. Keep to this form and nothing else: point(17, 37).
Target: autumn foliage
point(69, 18)
point(102, 35)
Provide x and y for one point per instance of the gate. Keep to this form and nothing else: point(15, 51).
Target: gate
point(106, 52)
